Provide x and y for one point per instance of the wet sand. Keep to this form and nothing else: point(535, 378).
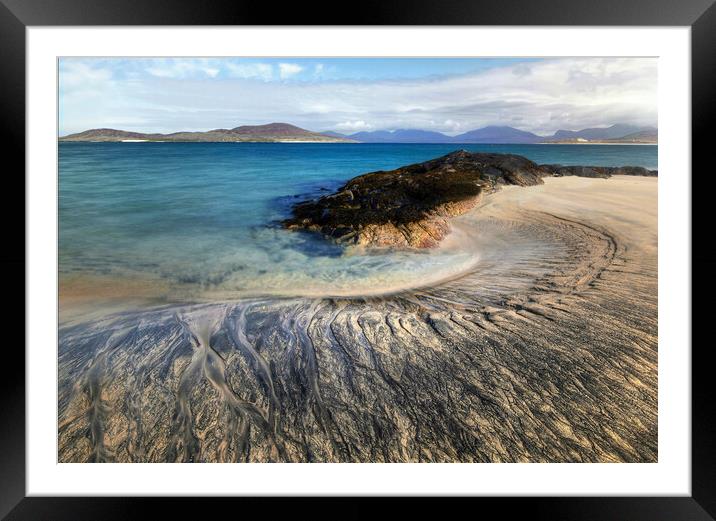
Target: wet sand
point(545, 351)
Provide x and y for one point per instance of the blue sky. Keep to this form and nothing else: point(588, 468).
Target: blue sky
point(450, 95)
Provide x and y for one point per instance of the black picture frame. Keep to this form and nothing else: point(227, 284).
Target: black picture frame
point(17, 15)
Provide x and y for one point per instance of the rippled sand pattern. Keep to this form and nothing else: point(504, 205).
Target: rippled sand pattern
point(546, 352)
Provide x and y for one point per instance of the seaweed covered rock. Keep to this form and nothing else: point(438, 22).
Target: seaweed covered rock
point(410, 206)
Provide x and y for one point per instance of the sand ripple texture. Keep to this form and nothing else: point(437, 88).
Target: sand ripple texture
point(546, 352)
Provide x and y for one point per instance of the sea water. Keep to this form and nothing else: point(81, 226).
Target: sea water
point(204, 218)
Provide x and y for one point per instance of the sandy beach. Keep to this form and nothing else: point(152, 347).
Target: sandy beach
point(546, 351)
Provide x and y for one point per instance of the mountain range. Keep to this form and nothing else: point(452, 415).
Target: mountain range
point(283, 132)
point(501, 134)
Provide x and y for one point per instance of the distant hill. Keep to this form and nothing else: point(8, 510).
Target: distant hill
point(334, 134)
point(401, 136)
point(378, 136)
point(643, 136)
point(496, 134)
point(492, 134)
point(615, 133)
point(273, 132)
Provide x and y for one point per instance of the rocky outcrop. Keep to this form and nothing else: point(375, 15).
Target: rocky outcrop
point(411, 206)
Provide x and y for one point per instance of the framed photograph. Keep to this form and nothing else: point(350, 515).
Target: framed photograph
point(417, 252)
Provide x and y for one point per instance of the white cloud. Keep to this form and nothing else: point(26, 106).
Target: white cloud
point(286, 70)
point(183, 68)
point(354, 125)
point(452, 126)
point(559, 93)
point(77, 74)
point(161, 72)
point(263, 71)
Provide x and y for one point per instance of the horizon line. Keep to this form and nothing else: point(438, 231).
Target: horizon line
point(393, 130)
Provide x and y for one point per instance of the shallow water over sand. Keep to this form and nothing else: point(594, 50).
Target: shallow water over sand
point(197, 221)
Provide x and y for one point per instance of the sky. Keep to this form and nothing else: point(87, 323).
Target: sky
point(449, 95)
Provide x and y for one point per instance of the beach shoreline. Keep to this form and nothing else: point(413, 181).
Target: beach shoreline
point(81, 293)
point(546, 351)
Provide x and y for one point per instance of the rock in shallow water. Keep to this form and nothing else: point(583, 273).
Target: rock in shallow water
point(411, 205)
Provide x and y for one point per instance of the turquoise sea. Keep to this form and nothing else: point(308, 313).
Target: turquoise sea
point(203, 217)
